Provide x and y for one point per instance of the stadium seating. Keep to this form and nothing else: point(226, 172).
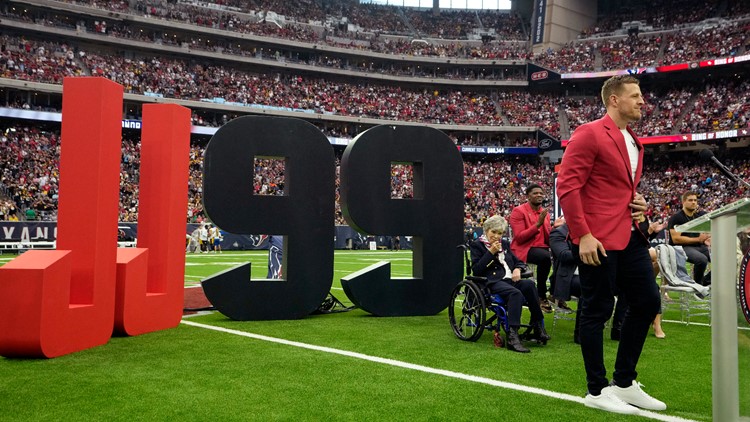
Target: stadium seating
point(28, 154)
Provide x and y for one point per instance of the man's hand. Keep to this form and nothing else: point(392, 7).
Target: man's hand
point(589, 248)
point(638, 205)
point(542, 216)
point(515, 275)
point(656, 226)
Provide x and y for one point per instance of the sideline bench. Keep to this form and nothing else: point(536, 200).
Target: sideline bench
point(17, 246)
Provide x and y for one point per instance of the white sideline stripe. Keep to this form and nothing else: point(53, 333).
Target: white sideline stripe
point(427, 369)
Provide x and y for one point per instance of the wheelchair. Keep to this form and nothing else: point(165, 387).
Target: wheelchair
point(471, 301)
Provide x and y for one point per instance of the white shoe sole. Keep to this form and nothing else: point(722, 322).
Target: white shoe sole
point(622, 411)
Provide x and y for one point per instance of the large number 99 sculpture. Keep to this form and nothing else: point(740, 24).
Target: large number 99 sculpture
point(434, 217)
point(305, 215)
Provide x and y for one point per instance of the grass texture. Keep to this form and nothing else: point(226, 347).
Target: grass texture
point(192, 373)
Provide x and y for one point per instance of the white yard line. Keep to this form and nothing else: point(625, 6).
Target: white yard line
point(421, 368)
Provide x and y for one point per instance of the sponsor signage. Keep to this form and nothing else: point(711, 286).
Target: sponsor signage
point(18, 232)
point(131, 124)
point(538, 76)
point(546, 143)
point(497, 150)
point(690, 137)
point(658, 69)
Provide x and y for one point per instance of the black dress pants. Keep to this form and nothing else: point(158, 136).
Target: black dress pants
point(631, 273)
point(699, 256)
point(514, 295)
point(542, 258)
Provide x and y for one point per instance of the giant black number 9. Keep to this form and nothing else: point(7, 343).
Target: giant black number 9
point(434, 216)
point(304, 214)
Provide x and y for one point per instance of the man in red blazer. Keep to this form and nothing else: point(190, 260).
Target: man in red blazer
point(530, 225)
point(597, 182)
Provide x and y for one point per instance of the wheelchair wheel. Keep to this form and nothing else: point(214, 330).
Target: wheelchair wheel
point(467, 311)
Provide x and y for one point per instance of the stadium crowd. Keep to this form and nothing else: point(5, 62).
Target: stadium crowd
point(500, 49)
point(667, 14)
point(29, 155)
point(688, 36)
point(718, 105)
point(572, 57)
point(721, 106)
point(240, 16)
point(29, 174)
point(698, 43)
point(632, 51)
point(645, 50)
point(526, 109)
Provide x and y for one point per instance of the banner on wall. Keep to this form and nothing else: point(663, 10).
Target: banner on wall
point(689, 137)
point(28, 231)
point(539, 16)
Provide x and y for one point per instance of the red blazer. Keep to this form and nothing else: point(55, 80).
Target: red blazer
point(525, 233)
point(595, 184)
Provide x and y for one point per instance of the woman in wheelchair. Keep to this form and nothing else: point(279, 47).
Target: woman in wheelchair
point(491, 258)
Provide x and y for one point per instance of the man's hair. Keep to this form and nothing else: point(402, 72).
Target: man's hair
point(614, 85)
point(689, 193)
point(531, 187)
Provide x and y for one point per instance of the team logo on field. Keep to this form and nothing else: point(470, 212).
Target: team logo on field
point(258, 239)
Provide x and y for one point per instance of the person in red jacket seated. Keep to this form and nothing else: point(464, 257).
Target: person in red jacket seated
point(530, 224)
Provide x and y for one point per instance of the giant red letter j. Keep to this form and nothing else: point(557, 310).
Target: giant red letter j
point(58, 302)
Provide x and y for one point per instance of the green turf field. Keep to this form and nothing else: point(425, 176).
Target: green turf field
point(201, 265)
point(346, 366)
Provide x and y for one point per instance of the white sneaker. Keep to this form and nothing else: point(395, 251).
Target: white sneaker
point(637, 397)
point(608, 401)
